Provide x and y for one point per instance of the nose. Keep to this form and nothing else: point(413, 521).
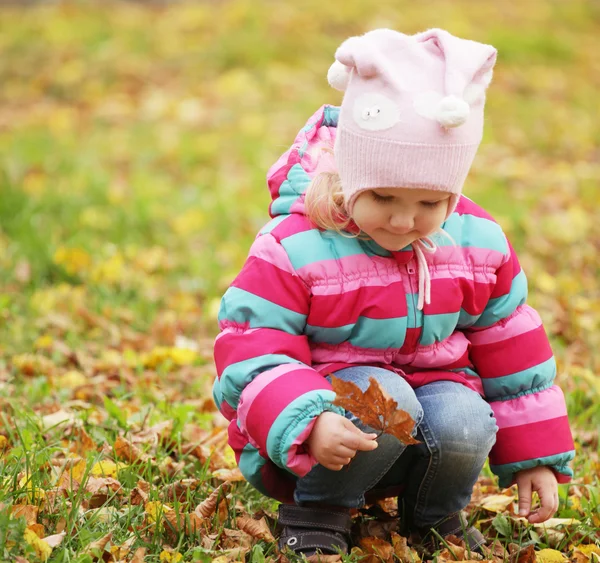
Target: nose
point(402, 222)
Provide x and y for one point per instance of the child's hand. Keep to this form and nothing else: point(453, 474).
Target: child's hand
point(542, 480)
point(334, 441)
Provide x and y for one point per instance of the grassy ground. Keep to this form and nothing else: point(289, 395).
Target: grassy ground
point(134, 146)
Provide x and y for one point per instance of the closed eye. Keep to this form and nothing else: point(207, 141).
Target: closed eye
point(381, 198)
point(431, 203)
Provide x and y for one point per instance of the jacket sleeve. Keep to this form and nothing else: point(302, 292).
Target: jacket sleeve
point(511, 352)
point(263, 359)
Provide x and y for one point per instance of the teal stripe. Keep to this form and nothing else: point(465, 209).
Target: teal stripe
point(272, 224)
point(290, 189)
point(329, 335)
point(414, 316)
point(468, 230)
point(558, 462)
point(312, 246)
point(502, 307)
point(294, 419)
point(250, 464)
point(465, 320)
point(241, 306)
point(520, 383)
point(438, 327)
point(331, 116)
point(236, 376)
point(216, 393)
point(365, 333)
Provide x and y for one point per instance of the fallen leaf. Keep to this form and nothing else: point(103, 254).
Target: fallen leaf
point(258, 529)
point(27, 511)
point(209, 505)
point(498, 503)
point(375, 408)
point(549, 556)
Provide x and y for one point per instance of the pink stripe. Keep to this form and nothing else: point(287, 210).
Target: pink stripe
point(259, 383)
point(420, 378)
point(506, 274)
point(299, 459)
point(345, 308)
point(226, 324)
point(276, 176)
point(275, 397)
point(441, 354)
point(346, 353)
point(450, 294)
point(227, 410)
point(291, 225)
point(464, 256)
point(233, 347)
point(269, 250)
point(513, 355)
point(298, 205)
point(269, 282)
point(530, 441)
point(528, 409)
point(468, 207)
point(358, 270)
point(524, 319)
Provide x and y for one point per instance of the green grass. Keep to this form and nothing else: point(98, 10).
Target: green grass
point(134, 145)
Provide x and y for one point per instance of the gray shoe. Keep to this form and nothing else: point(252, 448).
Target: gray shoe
point(308, 530)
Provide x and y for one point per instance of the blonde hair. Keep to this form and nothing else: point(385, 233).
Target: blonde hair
point(324, 203)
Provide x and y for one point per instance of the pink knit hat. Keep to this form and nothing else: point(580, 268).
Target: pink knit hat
point(412, 113)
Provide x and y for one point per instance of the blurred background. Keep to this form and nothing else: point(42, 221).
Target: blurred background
point(135, 138)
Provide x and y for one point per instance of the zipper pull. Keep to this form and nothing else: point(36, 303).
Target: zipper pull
point(410, 267)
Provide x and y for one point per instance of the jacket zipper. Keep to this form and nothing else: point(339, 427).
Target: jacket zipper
point(410, 270)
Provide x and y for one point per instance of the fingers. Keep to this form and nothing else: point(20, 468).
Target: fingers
point(356, 439)
point(524, 497)
point(548, 506)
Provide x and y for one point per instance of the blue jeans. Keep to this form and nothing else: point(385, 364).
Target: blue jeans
point(456, 428)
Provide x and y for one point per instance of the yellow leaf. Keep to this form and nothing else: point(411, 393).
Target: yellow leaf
point(3, 443)
point(42, 549)
point(170, 556)
point(497, 503)
point(71, 379)
point(107, 468)
point(549, 556)
point(73, 260)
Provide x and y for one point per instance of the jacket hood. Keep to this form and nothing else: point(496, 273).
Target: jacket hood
point(289, 177)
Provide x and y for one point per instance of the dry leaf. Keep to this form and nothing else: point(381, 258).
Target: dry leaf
point(27, 511)
point(378, 547)
point(209, 505)
point(404, 553)
point(549, 556)
point(139, 555)
point(126, 450)
point(258, 529)
point(375, 408)
point(498, 503)
point(96, 548)
point(55, 539)
point(229, 475)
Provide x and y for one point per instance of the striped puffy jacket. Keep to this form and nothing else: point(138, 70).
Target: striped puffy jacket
point(308, 302)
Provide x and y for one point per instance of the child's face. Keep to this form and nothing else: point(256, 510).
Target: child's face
point(395, 217)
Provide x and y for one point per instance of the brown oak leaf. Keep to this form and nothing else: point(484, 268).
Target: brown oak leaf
point(375, 408)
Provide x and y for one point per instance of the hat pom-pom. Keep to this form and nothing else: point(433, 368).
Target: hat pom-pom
point(452, 112)
point(338, 76)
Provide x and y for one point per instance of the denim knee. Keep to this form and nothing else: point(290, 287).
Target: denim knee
point(393, 384)
point(462, 427)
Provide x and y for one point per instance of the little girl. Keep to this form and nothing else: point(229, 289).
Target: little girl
point(375, 265)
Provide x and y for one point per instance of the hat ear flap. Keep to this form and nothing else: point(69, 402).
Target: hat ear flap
point(338, 76)
point(358, 54)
